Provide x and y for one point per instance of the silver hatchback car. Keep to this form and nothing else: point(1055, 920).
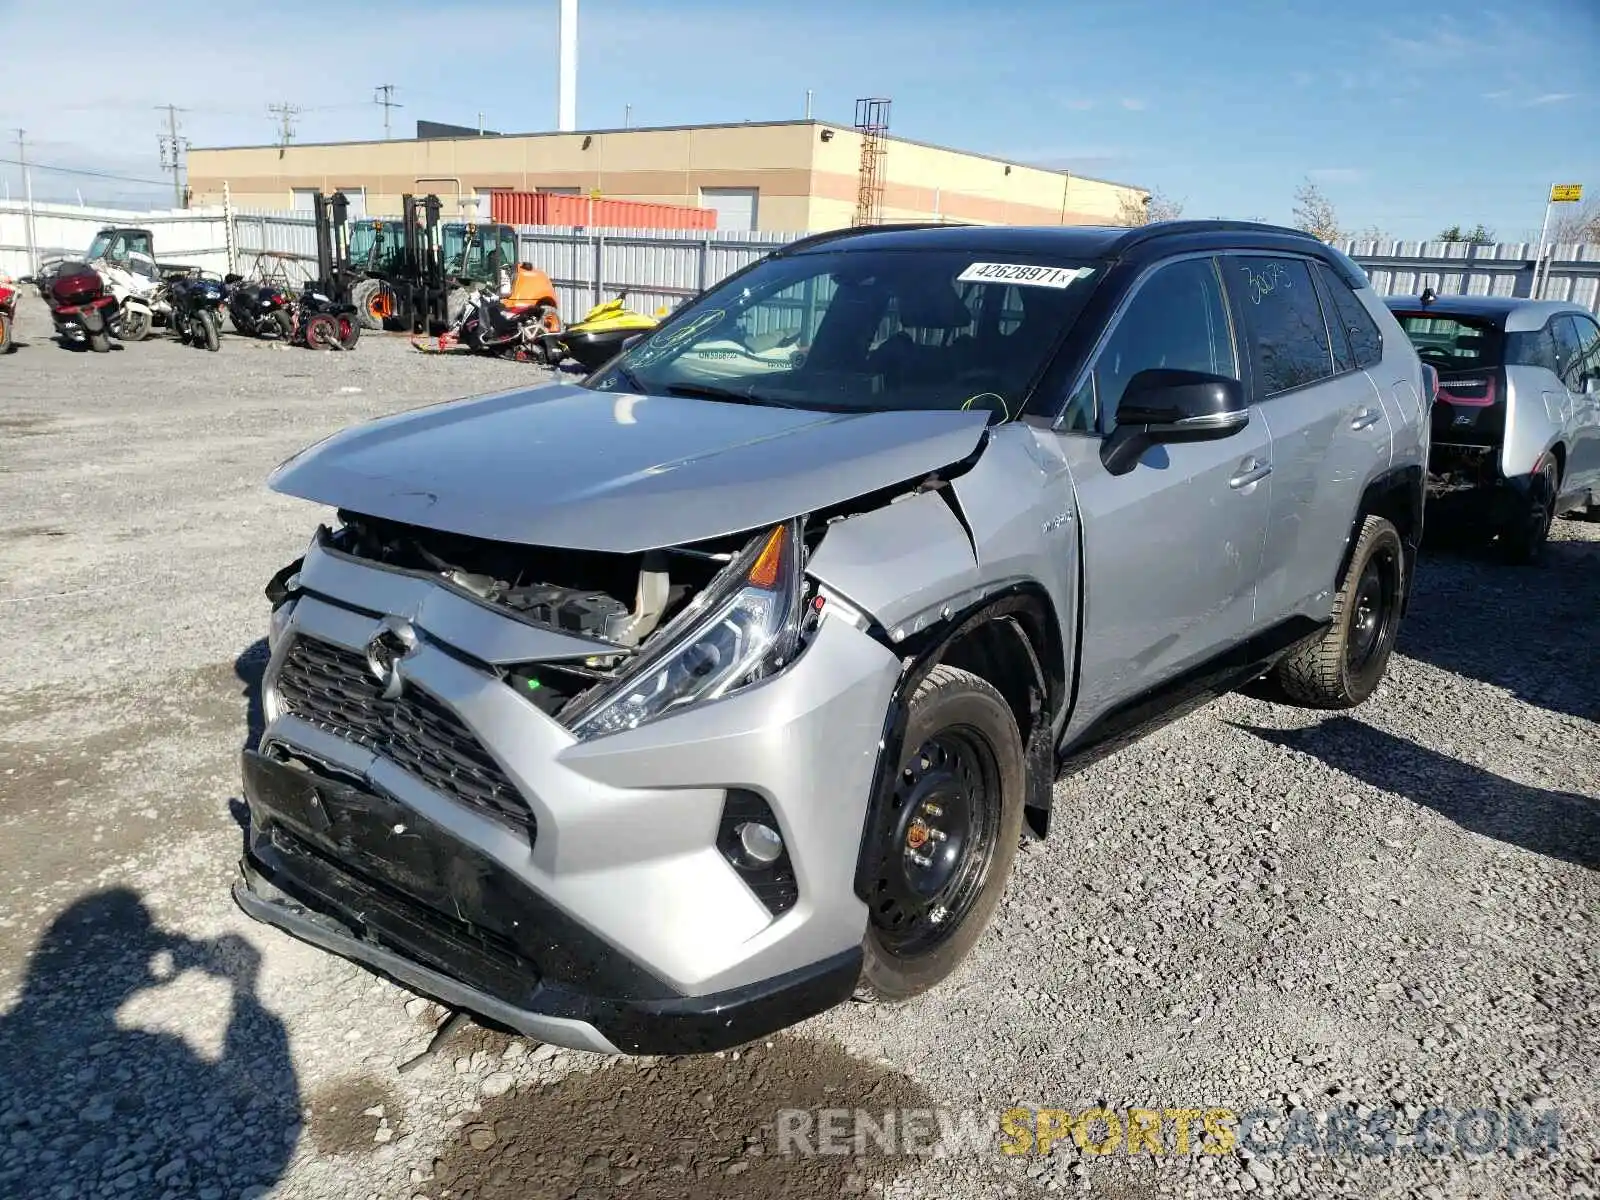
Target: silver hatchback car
point(659, 711)
point(1516, 424)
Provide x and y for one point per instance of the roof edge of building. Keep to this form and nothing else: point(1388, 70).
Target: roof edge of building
point(892, 137)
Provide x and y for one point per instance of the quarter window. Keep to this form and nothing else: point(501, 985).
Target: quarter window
point(1282, 321)
point(1366, 343)
point(1588, 352)
point(1177, 319)
point(1567, 350)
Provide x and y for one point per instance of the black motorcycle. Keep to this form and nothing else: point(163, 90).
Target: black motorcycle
point(322, 323)
point(259, 308)
point(197, 310)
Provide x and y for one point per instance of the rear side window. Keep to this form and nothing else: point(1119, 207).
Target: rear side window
point(1588, 364)
point(1567, 350)
point(1366, 343)
point(1283, 322)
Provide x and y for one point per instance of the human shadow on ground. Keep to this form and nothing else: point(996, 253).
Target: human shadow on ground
point(1560, 825)
point(1529, 630)
point(91, 1108)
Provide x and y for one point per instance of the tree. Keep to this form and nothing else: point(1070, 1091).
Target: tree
point(1479, 236)
point(1314, 213)
point(1372, 233)
point(1134, 209)
point(1575, 223)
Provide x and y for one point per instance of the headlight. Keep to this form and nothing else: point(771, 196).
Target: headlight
point(743, 627)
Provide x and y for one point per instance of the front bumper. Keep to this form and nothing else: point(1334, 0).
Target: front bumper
point(609, 918)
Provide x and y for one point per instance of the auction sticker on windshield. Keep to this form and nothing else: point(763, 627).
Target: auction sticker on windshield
point(1023, 274)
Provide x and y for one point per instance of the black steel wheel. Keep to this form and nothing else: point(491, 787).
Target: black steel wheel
point(1341, 666)
point(943, 850)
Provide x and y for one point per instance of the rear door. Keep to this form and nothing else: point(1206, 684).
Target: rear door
point(1581, 373)
point(1330, 432)
point(1172, 548)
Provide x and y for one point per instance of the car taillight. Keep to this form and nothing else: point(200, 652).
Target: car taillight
point(1476, 391)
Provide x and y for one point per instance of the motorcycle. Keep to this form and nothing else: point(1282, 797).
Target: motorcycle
point(487, 325)
point(322, 323)
point(82, 308)
point(259, 308)
point(8, 315)
point(197, 310)
point(138, 297)
point(601, 334)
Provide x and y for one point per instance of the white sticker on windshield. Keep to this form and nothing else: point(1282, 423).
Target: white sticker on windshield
point(1023, 274)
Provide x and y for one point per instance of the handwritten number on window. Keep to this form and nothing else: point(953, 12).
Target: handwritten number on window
point(1266, 281)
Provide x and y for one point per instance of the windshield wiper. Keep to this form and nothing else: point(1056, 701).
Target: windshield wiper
point(710, 391)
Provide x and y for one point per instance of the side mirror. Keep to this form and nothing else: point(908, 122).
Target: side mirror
point(1162, 405)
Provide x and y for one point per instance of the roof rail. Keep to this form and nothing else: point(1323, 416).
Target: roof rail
point(835, 235)
point(1160, 229)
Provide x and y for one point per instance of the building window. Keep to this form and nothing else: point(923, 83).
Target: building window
point(736, 208)
point(305, 199)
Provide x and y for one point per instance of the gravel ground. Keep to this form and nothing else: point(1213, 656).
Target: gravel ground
point(1258, 907)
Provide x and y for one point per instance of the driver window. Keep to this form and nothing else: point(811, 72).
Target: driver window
point(1177, 319)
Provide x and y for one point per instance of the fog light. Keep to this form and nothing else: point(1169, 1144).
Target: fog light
point(760, 844)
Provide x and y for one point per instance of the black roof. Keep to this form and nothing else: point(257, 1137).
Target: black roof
point(1074, 241)
point(1468, 306)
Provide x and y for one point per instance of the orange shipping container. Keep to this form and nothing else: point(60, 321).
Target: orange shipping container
point(551, 208)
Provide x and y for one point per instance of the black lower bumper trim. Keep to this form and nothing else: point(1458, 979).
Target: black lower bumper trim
point(316, 868)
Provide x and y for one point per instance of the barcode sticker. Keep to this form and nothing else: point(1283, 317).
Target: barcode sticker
point(1023, 274)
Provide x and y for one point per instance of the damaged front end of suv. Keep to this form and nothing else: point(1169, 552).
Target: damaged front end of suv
point(590, 713)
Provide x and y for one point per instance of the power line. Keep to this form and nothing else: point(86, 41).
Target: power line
point(38, 166)
point(386, 92)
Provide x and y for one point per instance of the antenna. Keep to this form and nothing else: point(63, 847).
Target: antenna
point(384, 95)
point(286, 113)
point(173, 149)
point(872, 122)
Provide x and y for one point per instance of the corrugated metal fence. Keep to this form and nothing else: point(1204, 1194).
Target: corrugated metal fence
point(660, 268)
point(1457, 268)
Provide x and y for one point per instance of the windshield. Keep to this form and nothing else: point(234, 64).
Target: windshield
point(376, 245)
point(453, 243)
point(866, 330)
point(98, 247)
point(1455, 343)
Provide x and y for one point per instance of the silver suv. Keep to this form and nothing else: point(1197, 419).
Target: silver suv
point(653, 713)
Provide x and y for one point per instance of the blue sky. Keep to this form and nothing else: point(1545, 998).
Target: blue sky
point(1410, 117)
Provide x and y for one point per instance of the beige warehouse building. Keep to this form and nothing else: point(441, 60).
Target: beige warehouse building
point(786, 175)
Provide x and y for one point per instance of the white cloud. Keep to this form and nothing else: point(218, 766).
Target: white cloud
point(1133, 104)
point(1551, 98)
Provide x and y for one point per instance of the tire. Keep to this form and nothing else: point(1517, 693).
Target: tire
point(210, 330)
point(374, 303)
point(349, 325)
point(454, 302)
point(1342, 665)
point(7, 346)
point(1522, 542)
point(322, 332)
point(135, 324)
point(958, 800)
point(100, 342)
point(185, 330)
point(283, 323)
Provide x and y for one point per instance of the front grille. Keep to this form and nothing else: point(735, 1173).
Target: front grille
point(330, 687)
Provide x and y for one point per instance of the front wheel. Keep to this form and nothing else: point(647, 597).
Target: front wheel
point(210, 330)
point(349, 326)
point(1341, 666)
point(944, 849)
point(322, 332)
point(283, 323)
point(374, 303)
point(6, 344)
point(135, 324)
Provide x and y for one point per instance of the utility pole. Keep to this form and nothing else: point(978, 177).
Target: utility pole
point(285, 113)
point(172, 151)
point(27, 189)
point(384, 95)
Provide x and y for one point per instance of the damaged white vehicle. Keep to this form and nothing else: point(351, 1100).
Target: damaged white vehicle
point(655, 713)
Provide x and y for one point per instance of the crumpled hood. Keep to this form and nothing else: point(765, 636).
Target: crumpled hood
point(565, 466)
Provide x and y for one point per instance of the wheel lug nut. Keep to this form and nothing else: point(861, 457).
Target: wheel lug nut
point(937, 835)
point(922, 860)
point(932, 809)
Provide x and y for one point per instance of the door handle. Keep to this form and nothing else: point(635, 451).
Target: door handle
point(1250, 471)
point(1366, 418)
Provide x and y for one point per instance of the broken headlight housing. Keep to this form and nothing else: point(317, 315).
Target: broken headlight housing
point(745, 626)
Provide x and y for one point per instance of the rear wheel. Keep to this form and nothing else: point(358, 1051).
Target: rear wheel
point(349, 330)
point(1341, 667)
point(100, 341)
point(6, 344)
point(374, 303)
point(941, 858)
point(322, 332)
point(1523, 540)
point(210, 330)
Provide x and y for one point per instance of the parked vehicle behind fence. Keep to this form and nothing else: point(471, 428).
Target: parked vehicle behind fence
point(657, 712)
point(1516, 429)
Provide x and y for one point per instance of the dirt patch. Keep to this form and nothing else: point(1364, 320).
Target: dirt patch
point(701, 1127)
point(353, 1115)
point(25, 425)
point(23, 532)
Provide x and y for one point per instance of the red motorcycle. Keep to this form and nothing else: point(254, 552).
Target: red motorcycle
point(82, 308)
point(8, 315)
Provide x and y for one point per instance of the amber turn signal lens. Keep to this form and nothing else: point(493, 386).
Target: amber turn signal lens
point(764, 571)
